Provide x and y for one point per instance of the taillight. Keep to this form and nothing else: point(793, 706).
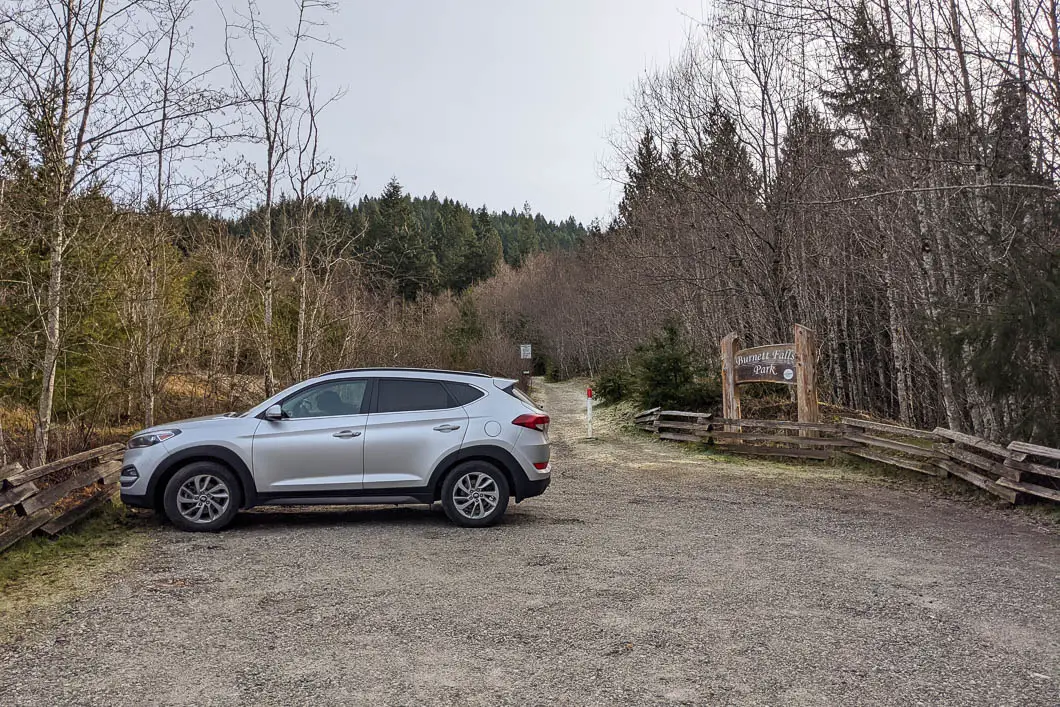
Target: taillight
point(532, 422)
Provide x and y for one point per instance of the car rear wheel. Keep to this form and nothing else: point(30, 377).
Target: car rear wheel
point(202, 497)
point(475, 494)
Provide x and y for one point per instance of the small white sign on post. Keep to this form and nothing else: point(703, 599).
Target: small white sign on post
point(524, 351)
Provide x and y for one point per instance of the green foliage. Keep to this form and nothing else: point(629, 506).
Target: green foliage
point(398, 246)
point(614, 384)
point(670, 376)
point(1014, 351)
point(465, 333)
point(875, 93)
point(665, 372)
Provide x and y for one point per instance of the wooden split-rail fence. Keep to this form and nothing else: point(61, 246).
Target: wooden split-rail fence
point(1006, 472)
point(52, 497)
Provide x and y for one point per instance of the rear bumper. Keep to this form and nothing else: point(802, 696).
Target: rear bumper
point(528, 489)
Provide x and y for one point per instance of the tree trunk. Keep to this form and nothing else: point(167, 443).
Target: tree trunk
point(51, 346)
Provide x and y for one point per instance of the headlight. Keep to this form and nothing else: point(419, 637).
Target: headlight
point(151, 438)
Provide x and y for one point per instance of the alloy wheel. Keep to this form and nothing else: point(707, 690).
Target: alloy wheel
point(203, 498)
point(475, 495)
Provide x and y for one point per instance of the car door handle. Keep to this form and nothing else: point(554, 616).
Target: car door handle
point(447, 428)
point(346, 434)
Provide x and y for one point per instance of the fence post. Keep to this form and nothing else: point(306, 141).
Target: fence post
point(805, 377)
point(730, 394)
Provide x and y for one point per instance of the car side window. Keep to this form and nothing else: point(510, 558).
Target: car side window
point(341, 397)
point(410, 395)
point(464, 393)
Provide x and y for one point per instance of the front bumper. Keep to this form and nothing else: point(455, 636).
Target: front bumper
point(135, 500)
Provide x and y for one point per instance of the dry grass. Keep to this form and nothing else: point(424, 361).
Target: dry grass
point(39, 574)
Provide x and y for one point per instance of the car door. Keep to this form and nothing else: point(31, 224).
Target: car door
point(413, 425)
point(319, 443)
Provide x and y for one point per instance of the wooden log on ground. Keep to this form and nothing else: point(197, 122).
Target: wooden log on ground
point(971, 459)
point(54, 493)
point(13, 497)
point(1033, 489)
point(24, 527)
point(891, 429)
point(1036, 450)
point(677, 437)
point(680, 414)
point(977, 479)
point(64, 463)
point(753, 450)
point(895, 445)
point(910, 464)
point(80, 511)
point(680, 425)
point(1032, 468)
point(8, 471)
point(647, 413)
point(724, 437)
point(1009, 472)
point(780, 425)
point(980, 444)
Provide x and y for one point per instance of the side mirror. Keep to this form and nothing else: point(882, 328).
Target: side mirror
point(274, 412)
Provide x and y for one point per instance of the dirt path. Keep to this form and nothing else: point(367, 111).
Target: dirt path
point(644, 575)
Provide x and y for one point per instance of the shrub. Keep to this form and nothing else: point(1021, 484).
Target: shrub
point(670, 376)
point(614, 383)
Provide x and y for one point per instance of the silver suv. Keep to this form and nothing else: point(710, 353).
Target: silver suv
point(361, 436)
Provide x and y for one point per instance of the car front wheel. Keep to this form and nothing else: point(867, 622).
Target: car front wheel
point(202, 497)
point(475, 494)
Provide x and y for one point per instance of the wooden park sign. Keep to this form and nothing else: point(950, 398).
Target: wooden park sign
point(790, 364)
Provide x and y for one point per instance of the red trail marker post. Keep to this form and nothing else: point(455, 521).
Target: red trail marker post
point(589, 410)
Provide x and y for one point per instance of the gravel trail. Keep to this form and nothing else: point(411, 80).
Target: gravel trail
point(645, 575)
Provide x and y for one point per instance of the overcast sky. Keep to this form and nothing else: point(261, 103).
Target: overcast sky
point(486, 101)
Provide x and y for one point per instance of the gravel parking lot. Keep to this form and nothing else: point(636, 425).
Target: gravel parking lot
point(644, 575)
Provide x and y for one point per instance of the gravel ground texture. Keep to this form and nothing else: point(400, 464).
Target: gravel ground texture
point(645, 575)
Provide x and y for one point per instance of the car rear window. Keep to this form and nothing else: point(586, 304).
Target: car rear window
point(520, 395)
point(464, 393)
point(401, 395)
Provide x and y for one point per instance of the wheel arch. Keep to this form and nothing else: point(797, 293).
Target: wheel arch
point(202, 453)
point(498, 456)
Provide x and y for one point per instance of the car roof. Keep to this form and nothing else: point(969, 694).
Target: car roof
point(438, 371)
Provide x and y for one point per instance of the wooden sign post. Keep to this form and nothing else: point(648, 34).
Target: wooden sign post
point(730, 394)
point(790, 364)
point(806, 375)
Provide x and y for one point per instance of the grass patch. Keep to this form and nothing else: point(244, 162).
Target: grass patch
point(41, 572)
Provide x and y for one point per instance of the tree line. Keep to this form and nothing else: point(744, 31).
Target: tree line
point(146, 274)
point(885, 173)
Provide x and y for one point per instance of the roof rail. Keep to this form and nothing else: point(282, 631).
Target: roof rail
point(476, 374)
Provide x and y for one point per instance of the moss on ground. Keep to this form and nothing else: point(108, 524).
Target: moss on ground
point(39, 573)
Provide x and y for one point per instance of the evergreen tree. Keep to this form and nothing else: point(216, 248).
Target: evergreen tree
point(526, 237)
point(398, 245)
point(875, 92)
point(481, 263)
point(642, 178)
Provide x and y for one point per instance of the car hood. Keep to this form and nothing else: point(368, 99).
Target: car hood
point(191, 423)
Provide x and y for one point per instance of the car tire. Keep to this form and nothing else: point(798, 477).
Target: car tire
point(475, 494)
point(202, 497)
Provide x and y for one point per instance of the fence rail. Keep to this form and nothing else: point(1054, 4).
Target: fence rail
point(1006, 472)
point(52, 497)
